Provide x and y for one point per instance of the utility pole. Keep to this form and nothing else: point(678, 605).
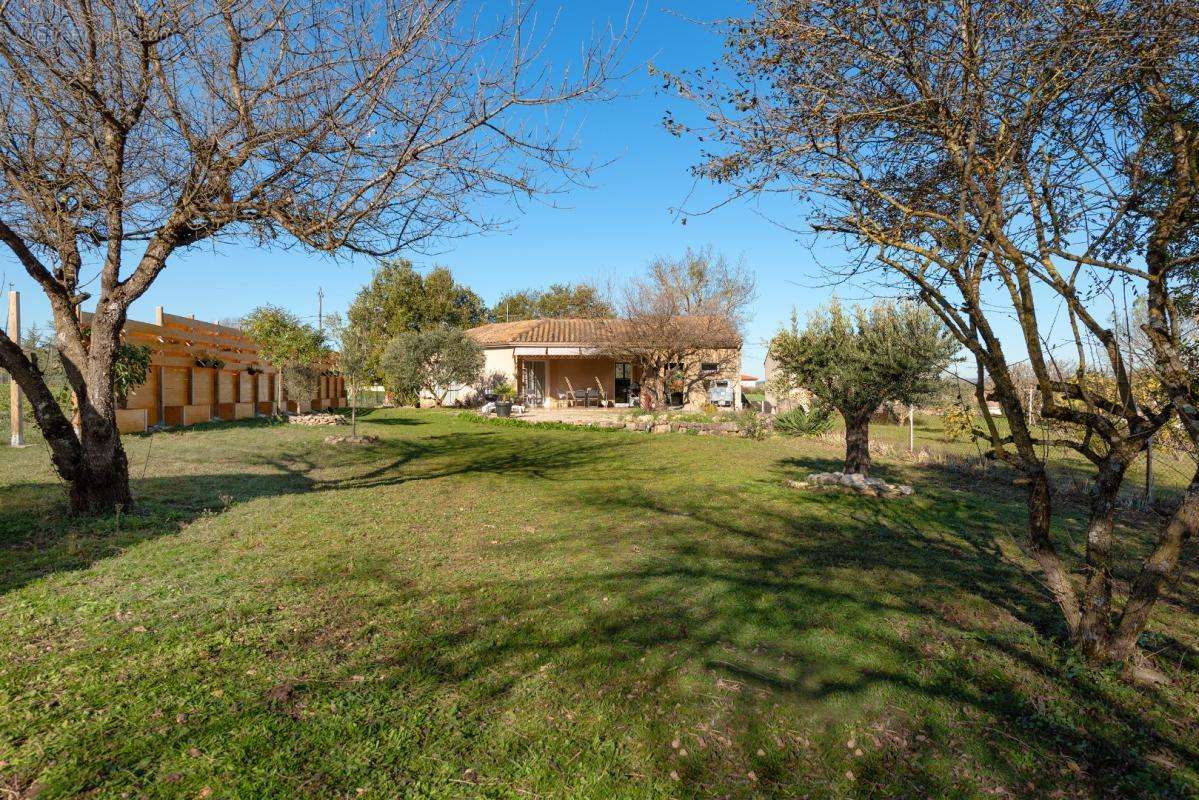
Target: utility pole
point(911, 429)
point(320, 309)
point(15, 420)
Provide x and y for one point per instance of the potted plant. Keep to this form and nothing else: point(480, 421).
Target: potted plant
point(206, 359)
point(503, 404)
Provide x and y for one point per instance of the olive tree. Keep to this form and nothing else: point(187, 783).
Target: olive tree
point(136, 129)
point(432, 361)
point(856, 359)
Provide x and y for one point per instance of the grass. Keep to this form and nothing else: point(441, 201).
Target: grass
point(470, 610)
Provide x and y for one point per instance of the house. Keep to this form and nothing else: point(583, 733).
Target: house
point(749, 382)
point(774, 404)
point(547, 359)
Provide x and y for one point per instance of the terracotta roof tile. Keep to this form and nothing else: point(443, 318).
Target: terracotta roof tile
point(500, 332)
point(558, 331)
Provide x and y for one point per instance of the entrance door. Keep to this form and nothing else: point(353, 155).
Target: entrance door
point(533, 379)
point(624, 382)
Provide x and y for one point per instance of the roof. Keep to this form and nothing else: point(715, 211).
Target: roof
point(499, 333)
point(746, 377)
point(562, 331)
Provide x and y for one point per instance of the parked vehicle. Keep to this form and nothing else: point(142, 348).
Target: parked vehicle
point(720, 393)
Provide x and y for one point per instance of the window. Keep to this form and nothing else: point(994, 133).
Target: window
point(624, 371)
point(709, 366)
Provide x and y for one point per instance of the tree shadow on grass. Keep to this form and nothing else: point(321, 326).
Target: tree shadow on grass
point(752, 612)
point(38, 537)
point(376, 419)
point(826, 600)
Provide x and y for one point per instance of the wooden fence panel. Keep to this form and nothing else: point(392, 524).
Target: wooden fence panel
point(174, 387)
point(225, 394)
point(177, 391)
point(202, 390)
point(145, 397)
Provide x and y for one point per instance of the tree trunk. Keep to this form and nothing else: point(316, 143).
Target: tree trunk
point(102, 482)
point(1155, 572)
point(1095, 625)
point(857, 443)
point(1057, 579)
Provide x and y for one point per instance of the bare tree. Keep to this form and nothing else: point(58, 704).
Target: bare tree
point(996, 159)
point(681, 323)
point(133, 130)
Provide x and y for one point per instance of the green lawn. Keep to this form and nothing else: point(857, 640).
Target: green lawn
point(474, 610)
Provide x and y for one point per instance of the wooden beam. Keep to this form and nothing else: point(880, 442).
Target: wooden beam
point(159, 405)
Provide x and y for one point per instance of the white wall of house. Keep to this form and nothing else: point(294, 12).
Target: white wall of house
point(500, 360)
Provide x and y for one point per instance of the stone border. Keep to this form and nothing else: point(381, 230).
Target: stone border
point(854, 483)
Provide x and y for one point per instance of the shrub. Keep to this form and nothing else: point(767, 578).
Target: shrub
point(798, 422)
point(958, 419)
point(432, 362)
point(751, 424)
point(130, 370)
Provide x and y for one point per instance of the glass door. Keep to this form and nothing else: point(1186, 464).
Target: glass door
point(624, 382)
point(533, 380)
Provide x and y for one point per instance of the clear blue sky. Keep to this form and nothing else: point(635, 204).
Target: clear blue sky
point(606, 232)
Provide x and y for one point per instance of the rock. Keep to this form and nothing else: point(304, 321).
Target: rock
point(1144, 674)
point(630, 426)
point(317, 418)
point(854, 482)
point(660, 427)
point(360, 439)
